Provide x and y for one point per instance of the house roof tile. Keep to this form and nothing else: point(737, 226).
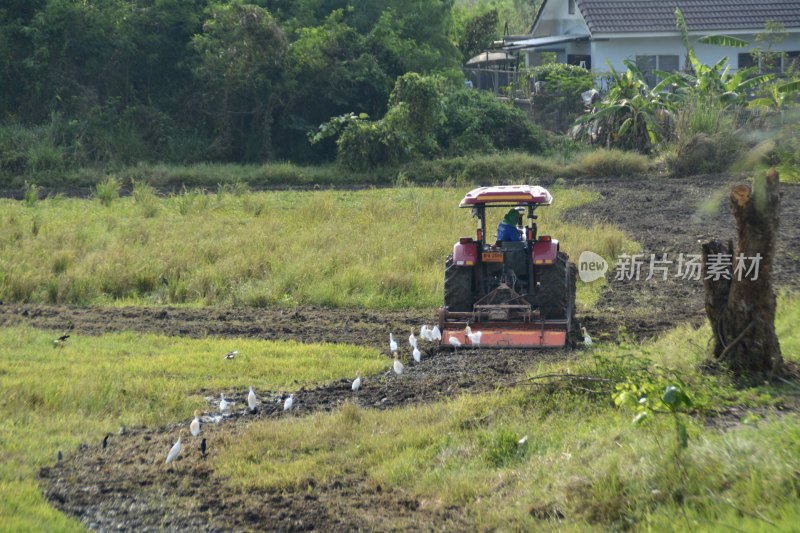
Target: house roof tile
point(616, 16)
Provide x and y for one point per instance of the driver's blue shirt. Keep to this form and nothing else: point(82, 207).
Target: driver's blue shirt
point(507, 232)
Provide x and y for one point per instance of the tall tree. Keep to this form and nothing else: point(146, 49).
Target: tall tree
point(241, 60)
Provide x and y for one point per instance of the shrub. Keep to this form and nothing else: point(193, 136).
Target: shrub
point(559, 100)
point(476, 121)
point(612, 163)
point(705, 138)
point(108, 190)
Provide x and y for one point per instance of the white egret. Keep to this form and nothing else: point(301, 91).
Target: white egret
point(175, 450)
point(392, 344)
point(224, 404)
point(194, 427)
point(398, 366)
point(251, 400)
point(522, 441)
point(423, 332)
point(356, 384)
point(454, 342)
point(475, 338)
point(287, 404)
point(417, 354)
point(412, 340)
point(435, 334)
point(587, 340)
point(231, 354)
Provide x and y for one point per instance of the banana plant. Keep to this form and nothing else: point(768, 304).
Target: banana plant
point(717, 80)
point(631, 116)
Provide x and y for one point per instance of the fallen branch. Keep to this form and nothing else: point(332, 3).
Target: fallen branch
point(560, 376)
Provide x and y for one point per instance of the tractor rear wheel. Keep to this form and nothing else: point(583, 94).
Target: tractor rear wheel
point(556, 291)
point(457, 286)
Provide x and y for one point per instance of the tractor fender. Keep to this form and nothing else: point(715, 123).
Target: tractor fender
point(465, 254)
point(545, 252)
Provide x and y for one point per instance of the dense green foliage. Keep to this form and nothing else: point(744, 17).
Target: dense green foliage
point(183, 81)
point(428, 117)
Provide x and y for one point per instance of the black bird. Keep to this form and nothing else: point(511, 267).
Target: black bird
point(60, 456)
point(105, 440)
point(203, 447)
point(59, 342)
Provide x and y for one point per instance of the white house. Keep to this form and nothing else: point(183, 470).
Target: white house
point(593, 32)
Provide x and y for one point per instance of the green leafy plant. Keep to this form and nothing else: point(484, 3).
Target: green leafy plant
point(31, 193)
point(646, 399)
point(632, 116)
point(108, 190)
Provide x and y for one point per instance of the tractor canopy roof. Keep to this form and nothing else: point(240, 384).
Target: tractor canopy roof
point(505, 195)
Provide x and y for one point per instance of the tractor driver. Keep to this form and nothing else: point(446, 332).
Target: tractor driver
point(507, 229)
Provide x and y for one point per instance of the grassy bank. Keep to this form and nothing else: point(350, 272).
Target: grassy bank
point(373, 248)
point(511, 167)
point(56, 398)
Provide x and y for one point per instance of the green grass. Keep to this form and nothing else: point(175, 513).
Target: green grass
point(56, 398)
point(373, 248)
point(504, 167)
point(583, 457)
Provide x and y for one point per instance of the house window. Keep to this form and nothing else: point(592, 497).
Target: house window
point(571, 6)
point(580, 60)
point(746, 60)
point(791, 62)
point(776, 63)
point(649, 64)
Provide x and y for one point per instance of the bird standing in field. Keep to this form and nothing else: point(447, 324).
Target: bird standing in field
point(435, 334)
point(224, 404)
point(475, 338)
point(175, 450)
point(203, 447)
point(356, 384)
point(59, 342)
point(454, 342)
point(417, 354)
point(587, 340)
point(105, 440)
point(194, 427)
point(423, 332)
point(288, 403)
point(398, 366)
point(392, 344)
point(412, 340)
point(231, 354)
point(60, 456)
point(251, 400)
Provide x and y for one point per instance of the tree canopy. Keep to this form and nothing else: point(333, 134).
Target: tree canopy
point(187, 80)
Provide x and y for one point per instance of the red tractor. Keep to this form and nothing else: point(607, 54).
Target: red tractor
point(517, 293)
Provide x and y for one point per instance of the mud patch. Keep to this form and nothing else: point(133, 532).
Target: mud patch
point(671, 216)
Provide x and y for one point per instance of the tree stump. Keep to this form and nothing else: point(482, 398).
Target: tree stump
point(739, 299)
